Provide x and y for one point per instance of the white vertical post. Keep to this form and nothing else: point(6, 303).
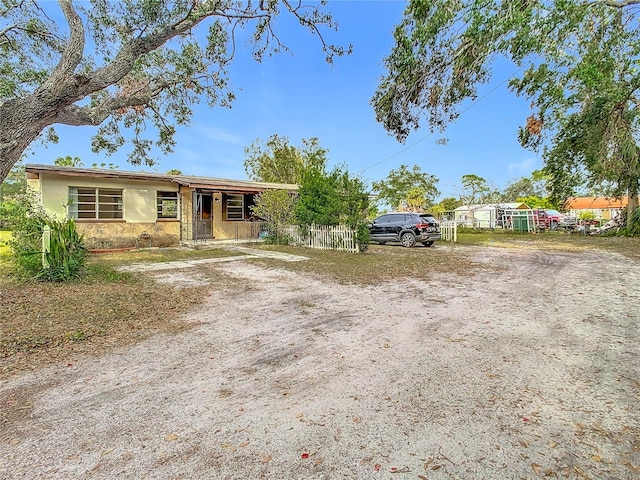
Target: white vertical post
point(46, 245)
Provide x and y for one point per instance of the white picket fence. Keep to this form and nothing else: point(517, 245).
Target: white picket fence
point(323, 237)
point(449, 230)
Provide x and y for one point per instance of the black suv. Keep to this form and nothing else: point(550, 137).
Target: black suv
point(406, 228)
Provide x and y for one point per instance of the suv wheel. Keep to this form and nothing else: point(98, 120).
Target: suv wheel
point(408, 239)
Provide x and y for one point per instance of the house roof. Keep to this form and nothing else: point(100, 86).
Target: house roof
point(586, 203)
point(207, 183)
point(490, 206)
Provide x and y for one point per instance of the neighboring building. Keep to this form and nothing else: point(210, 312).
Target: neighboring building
point(116, 209)
point(602, 208)
point(485, 215)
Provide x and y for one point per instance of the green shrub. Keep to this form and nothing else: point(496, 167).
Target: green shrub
point(66, 256)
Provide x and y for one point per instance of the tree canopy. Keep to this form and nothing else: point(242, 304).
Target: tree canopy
point(130, 67)
point(278, 161)
point(475, 190)
point(578, 61)
point(535, 185)
point(413, 188)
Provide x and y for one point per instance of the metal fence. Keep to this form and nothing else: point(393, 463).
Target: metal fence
point(323, 237)
point(201, 231)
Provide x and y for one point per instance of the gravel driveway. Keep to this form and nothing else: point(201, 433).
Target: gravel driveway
point(528, 370)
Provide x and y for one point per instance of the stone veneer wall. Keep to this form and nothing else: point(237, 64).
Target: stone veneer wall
point(107, 235)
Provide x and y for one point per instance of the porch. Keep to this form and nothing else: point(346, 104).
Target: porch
point(199, 232)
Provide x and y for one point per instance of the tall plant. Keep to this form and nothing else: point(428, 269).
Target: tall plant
point(66, 256)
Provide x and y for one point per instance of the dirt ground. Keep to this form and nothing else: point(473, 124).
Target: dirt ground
point(527, 370)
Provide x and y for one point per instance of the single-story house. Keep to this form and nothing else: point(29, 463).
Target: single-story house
point(602, 208)
point(119, 209)
point(487, 215)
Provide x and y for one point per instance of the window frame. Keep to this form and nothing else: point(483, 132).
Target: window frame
point(96, 197)
point(167, 195)
point(238, 210)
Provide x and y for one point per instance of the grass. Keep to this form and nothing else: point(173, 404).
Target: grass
point(41, 322)
point(559, 241)
point(154, 255)
point(378, 264)
point(5, 251)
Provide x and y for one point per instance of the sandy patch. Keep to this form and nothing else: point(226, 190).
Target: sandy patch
point(529, 371)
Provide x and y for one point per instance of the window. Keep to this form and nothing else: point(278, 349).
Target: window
point(95, 203)
point(235, 207)
point(167, 204)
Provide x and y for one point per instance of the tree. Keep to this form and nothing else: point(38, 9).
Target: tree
point(475, 191)
point(445, 207)
point(449, 203)
point(579, 64)
point(411, 188)
point(333, 198)
point(174, 171)
point(276, 207)
point(150, 62)
point(68, 161)
point(278, 161)
point(534, 201)
point(534, 185)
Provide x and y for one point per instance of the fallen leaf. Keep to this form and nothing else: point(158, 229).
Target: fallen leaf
point(422, 477)
point(357, 420)
point(171, 438)
point(536, 468)
point(525, 419)
point(228, 446)
point(553, 445)
point(266, 459)
point(596, 458)
point(305, 455)
point(244, 444)
point(377, 467)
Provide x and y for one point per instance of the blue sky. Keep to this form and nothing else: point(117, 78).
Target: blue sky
point(298, 95)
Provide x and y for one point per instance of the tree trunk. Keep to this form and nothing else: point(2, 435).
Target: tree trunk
point(632, 203)
point(20, 125)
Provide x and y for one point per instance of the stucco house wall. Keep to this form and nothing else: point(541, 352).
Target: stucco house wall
point(139, 217)
point(602, 208)
point(136, 196)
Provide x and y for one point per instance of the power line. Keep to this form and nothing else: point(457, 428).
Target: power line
point(475, 102)
point(471, 138)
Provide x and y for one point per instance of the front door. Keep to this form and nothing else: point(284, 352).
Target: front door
point(202, 216)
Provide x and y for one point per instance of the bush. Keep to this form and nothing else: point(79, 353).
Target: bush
point(67, 255)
